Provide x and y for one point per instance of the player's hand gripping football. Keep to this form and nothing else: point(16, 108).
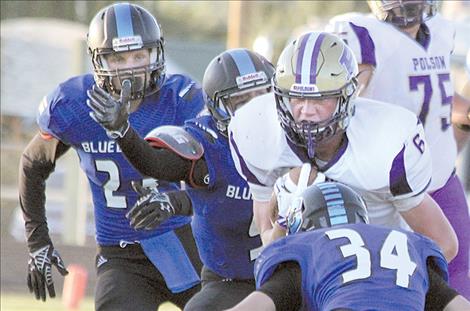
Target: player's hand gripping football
point(151, 209)
point(287, 190)
point(110, 113)
point(40, 272)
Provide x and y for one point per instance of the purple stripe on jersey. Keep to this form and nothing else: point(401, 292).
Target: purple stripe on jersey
point(313, 64)
point(338, 155)
point(300, 56)
point(249, 175)
point(366, 43)
point(300, 152)
point(453, 202)
point(397, 177)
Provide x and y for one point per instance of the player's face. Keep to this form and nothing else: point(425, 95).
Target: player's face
point(314, 110)
point(129, 60)
point(237, 100)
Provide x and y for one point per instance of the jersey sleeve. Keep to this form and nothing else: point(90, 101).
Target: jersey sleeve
point(190, 99)
point(49, 117)
point(411, 170)
point(260, 181)
point(356, 36)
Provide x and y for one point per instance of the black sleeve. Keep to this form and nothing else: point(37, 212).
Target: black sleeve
point(159, 163)
point(439, 293)
point(285, 287)
point(36, 164)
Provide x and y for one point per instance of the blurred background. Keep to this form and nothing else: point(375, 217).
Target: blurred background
point(44, 43)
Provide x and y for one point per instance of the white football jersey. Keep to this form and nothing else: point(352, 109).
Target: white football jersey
point(384, 157)
point(411, 75)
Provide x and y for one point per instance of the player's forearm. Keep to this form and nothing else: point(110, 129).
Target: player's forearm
point(459, 303)
point(36, 164)
point(460, 110)
point(363, 78)
point(270, 235)
point(255, 301)
point(461, 135)
point(428, 219)
point(156, 163)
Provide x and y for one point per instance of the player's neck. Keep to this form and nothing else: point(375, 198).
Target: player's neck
point(325, 151)
point(411, 31)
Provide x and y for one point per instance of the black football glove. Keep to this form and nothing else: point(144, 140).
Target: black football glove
point(40, 272)
point(110, 113)
point(151, 209)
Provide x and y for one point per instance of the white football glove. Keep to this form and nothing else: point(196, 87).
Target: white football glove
point(286, 190)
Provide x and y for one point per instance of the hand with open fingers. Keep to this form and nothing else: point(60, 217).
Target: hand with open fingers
point(40, 272)
point(110, 113)
point(151, 209)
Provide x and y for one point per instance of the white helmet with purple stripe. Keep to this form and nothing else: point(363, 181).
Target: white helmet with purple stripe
point(316, 65)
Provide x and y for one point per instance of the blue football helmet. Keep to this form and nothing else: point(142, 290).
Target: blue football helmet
point(124, 27)
point(325, 205)
point(231, 79)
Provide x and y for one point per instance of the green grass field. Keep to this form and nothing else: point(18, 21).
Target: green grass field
point(18, 302)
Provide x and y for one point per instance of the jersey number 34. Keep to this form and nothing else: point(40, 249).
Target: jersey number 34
point(393, 255)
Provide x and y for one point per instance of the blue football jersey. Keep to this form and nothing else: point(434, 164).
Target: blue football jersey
point(65, 115)
point(357, 266)
point(223, 227)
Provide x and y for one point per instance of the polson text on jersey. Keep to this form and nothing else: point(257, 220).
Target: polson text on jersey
point(428, 63)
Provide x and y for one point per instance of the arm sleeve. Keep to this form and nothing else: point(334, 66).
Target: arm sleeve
point(159, 163)
point(36, 164)
point(439, 294)
point(411, 170)
point(284, 286)
point(356, 37)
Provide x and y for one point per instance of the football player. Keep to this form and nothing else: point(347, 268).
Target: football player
point(403, 270)
point(404, 59)
point(377, 149)
point(198, 153)
point(126, 46)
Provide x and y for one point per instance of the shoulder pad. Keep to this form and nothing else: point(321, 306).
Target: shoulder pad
point(176, 139)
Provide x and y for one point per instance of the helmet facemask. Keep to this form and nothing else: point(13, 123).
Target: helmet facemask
point(308, 133)
point(145, 80)
point(228, 101)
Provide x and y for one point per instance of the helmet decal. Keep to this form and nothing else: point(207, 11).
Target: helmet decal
point(307, 60)
point(334, 203)
point(347, 60)
point(242, 61)
point(124, 25)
